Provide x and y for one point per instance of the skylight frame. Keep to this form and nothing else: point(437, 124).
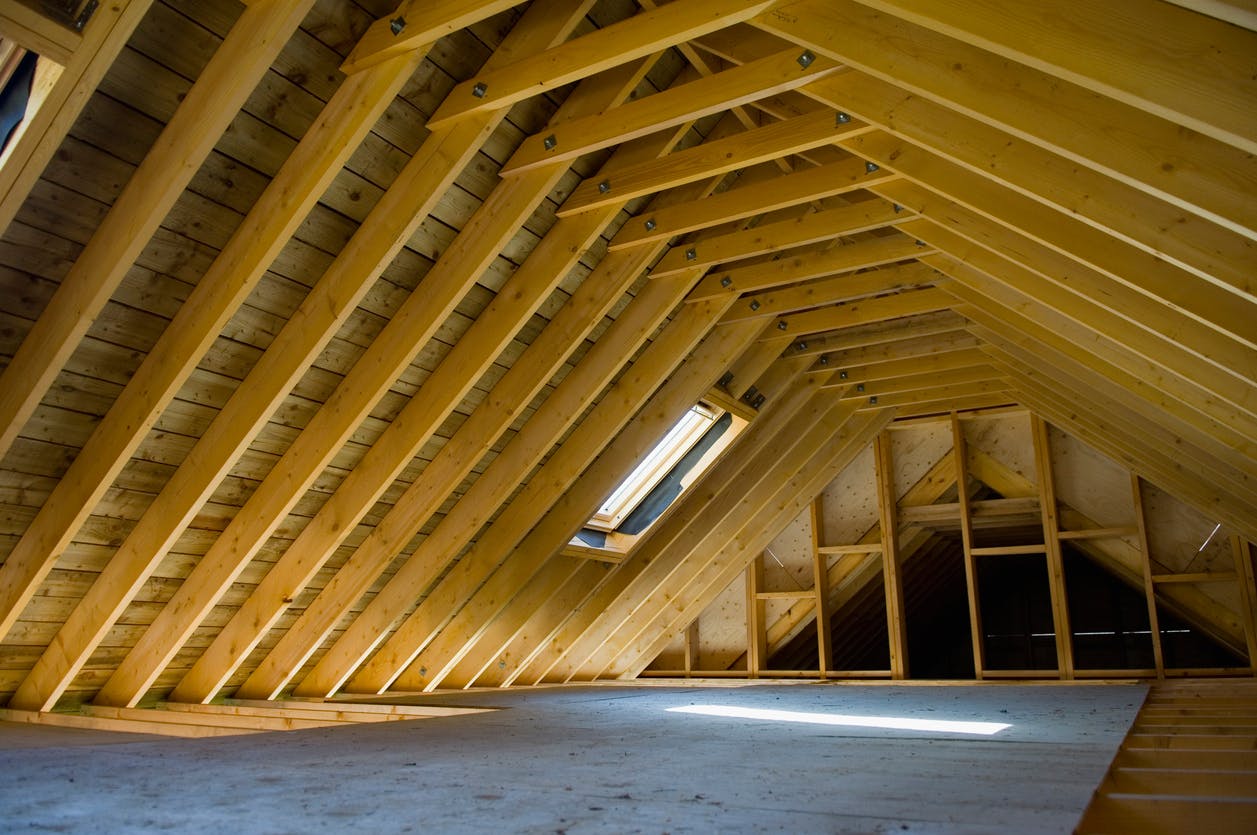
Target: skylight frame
point(665, 455)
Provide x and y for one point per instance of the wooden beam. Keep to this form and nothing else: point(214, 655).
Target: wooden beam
point(414, 507)
point(756, 640)
point(1196, 577)
point(534, 627)
point(1134, 268)
point(494, 223)
point(644, 34)
point(1162, 415)
point(1052, 547)
point(377, 241)
point(366, 632)
point(924, 381)
point(545, 589)
point(1123, 432)
point(749, 200)
point(908, 367)
point(853, 548)
point(1143, 444)
point(912, 330)
point(864, 311)
point(827, 461)
point(997, 386)
point(732, 492)
point(692, 657)
point(841, 288)
point(892, 579)
point(1099, 533)
point(1093, 130)
point(1207, 249)
point(742, 150)
point(669, 108)
point(960, 454)
point(1199, 361)
point(849, 257)
point(908, 349)
point(782, 235)
point(501, 563)
point(820, 586)
point(580, 635)
point(303, 178)
point(415, 25)
point(490, 229)
point(1168, 61)
point(749, 367)
point(206, 110)
point(1167, 394)
point(456, 458)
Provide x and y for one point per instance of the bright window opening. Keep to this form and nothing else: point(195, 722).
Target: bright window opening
point(647, 475)
point(683, 454)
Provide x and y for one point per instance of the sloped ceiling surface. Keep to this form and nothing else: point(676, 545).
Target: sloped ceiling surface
point(326, 324)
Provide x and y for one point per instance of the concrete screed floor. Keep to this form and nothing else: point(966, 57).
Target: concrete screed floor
point(598, 759)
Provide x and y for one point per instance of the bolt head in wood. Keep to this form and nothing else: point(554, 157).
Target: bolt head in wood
point(843, 118)
point(691, 254)
point(824, 360)
point(604, 186)
point(781, 326)
point(754, 305)
point(859, 387)
point(726, 281)
point(842, 375)
point(870, 167)
point(758, 401)
point(896, 207)
point(873, 400)
point(805, 60)
point(802, 346)
point(480, 89)
point(549, 142)
point(650, 225)
point(396, 25)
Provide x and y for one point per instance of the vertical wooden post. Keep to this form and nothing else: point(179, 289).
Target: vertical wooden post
point(756, 634)
point(966, 537)
point(820, 587)
point(1052, 547)
point(691, 648)
point(1248, 595)
point(1150, 591)
point(896, 618)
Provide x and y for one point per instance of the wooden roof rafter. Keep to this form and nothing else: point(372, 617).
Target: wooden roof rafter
point(944, 209)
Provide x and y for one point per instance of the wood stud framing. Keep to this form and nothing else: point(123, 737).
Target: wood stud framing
point(312, 372)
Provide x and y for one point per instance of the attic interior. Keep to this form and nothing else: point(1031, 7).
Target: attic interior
point(335, 332)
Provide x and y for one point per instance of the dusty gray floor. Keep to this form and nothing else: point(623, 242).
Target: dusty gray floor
point(604, 759)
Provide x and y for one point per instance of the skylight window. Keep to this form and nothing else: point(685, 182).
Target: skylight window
point(681, 438)
point(697, 440)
